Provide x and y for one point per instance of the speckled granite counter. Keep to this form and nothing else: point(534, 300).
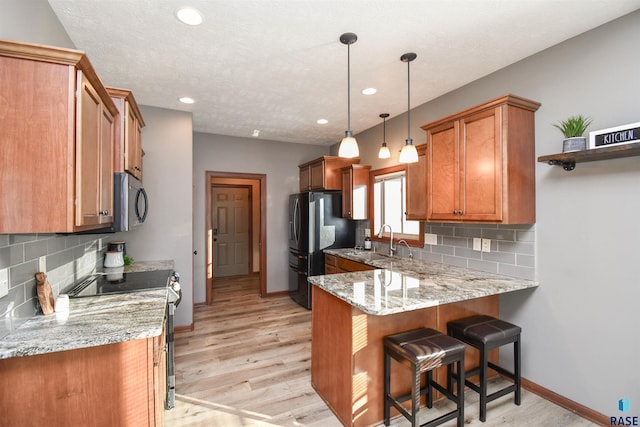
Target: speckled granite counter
point(401, 284)
point(353, 312)
point(93, 321)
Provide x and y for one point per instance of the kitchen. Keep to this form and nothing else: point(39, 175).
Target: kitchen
point(584, 231)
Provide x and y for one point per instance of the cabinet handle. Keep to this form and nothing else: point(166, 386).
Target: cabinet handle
point(104, 212)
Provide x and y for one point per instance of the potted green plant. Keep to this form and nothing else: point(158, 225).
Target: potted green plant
point(573, 130)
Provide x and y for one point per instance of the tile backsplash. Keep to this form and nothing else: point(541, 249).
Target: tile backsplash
point(68, 258)
point(512, 247)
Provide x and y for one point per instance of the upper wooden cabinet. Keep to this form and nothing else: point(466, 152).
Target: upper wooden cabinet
point(323, 173)
point(481, 164)
point(355, 191)
point(417, 186)
point(57, 133)
point(128, 146)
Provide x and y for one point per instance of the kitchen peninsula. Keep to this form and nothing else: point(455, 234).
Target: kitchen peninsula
point(353, 311)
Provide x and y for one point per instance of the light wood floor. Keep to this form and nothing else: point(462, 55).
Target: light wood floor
point(247, 363)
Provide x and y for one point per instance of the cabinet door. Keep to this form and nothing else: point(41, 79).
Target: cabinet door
point(417, 186)
point(481, 166)
point(107, 141)
point(304, 178)
point(347, 193)
point(88, 134)
point(317, 175)
point(133, 144)
point(443, 172)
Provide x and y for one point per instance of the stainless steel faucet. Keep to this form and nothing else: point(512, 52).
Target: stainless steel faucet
point(392, 249)
point(408, 247)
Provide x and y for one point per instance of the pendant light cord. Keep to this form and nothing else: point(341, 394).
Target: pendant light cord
point(408, 102)
point(349, 87)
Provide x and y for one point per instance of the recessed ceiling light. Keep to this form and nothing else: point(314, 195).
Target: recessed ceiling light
point(369, 91)
point(256, 133)
point(186, 100)
point(189, 16)
point(322, 121)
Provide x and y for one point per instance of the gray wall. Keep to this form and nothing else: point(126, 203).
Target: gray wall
point(279, 162)
point(32, 21)
point(168, 179)
point(579, 326)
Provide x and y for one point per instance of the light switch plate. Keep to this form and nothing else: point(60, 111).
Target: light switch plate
point(486, 245)
point(430, 239)
point(4, 282)
point(42, 264)
point(477, 244)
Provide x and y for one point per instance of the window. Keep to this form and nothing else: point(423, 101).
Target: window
point(389, 206)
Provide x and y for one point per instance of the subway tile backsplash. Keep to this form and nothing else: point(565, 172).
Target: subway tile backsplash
point(68, 258)
point(512, 247)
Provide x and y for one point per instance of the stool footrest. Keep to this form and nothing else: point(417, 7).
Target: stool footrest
point(501, 370)
point(442, 419)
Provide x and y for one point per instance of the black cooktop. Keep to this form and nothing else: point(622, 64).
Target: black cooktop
point(117, 282)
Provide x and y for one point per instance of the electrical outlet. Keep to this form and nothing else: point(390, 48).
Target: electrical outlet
point(4, 282)
point(42, 264)
point(430, 239)
point(486, 245)
point(477, 244)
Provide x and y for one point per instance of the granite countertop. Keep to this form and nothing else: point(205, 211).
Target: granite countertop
point(401, 284)
point(93, 321)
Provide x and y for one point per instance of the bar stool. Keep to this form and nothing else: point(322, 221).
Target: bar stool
point(423, 350)
point(486, 333)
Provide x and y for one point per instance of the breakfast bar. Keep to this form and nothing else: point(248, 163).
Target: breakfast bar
point(353, 311)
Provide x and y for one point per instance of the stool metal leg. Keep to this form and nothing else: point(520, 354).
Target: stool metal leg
point(387, 387)
point(415, 395)
point(483, 382)
point(429, 376)
point(516, 369)
point(460, 402)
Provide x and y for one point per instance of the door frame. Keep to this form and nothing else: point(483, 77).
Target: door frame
point(261, 179)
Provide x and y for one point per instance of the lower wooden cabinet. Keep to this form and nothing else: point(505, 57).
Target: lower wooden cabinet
point(121, 384)
point(335, 264)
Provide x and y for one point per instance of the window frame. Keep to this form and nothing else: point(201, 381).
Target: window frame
point(411, 239)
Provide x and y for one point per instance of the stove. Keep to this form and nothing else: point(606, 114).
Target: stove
point(118, 282)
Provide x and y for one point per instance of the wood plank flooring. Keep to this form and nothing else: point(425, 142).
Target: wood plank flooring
point(247, 363)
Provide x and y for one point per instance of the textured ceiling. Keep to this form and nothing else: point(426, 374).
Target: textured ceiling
point(278, 66)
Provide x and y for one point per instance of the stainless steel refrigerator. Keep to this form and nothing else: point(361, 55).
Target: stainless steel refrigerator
point(315, 224)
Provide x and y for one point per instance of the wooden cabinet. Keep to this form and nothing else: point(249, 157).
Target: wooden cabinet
point(323, 173)
point(57, 133)
point(355, 191)
point(128, 129)
point(417, 186)
point(119, 384)
point(481, 164)
point(335, 264)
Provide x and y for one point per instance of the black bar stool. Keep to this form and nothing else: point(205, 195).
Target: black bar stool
point(424, 350)
point(486, 333)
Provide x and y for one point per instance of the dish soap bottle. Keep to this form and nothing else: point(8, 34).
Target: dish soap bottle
point(367, 240)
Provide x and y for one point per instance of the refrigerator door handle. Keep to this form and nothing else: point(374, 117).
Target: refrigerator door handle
point(296, 213)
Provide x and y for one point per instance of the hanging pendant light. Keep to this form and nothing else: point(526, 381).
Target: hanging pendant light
point(384, 152)
point(408, 154)
point(348, 145)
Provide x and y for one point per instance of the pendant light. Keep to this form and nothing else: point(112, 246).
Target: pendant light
point(348, 145)
point(384, 152)
point(408, 154)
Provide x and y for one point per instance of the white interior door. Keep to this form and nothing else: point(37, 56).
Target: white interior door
point(231, 212)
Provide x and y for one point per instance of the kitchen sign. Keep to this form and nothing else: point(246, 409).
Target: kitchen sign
point(625, 134)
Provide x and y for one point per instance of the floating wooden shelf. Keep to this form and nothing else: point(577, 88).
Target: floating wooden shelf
point(568, 160)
